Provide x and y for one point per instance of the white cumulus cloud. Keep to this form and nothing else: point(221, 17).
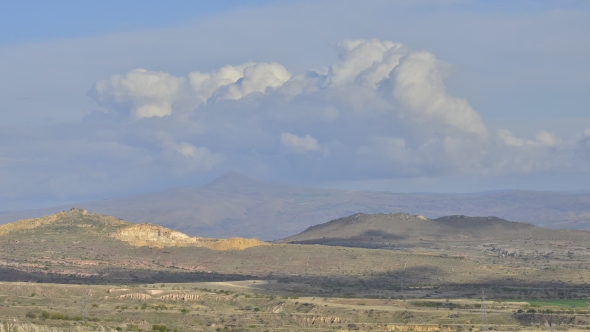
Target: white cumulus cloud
point(368, 62)
point(379, 108)
point(147, 93)
point(295, 144)
point(419, 85)
point(236, 82)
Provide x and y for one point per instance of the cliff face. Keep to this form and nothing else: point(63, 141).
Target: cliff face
point(153, 235)
point(158, 236)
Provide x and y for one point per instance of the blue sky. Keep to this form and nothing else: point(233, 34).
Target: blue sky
point(30, 21)
point(110, 98)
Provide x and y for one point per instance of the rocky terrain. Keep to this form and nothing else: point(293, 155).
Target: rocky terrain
point(234, 205)
point(248, 306)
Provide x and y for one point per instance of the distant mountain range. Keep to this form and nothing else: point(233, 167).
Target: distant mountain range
point(237, 205)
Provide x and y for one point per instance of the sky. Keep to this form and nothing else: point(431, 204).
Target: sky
point(107, 99)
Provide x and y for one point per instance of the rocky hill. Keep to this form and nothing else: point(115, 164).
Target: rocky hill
point(235, 205)
point(78, 222)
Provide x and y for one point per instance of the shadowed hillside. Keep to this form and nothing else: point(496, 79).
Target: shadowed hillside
point(236, 205)
point(401, 230)
point(81, 247)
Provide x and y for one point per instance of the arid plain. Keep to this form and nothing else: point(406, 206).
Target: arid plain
point(76, 270)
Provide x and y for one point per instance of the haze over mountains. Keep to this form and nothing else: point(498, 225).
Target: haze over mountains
point(237, 205)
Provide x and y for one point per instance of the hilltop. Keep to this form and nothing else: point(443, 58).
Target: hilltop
point(240, 206)
point(469, 235)
point(403, 227)
point(80, 223)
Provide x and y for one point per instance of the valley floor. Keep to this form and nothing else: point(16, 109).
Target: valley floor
point(263, 305)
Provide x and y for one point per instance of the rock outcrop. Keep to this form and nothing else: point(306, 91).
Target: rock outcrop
point(307, 320)
point(181, 297)
point(134, 296)
point(160, 237)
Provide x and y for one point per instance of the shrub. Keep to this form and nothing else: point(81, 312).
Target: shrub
point(59, 316)
point(161, 328)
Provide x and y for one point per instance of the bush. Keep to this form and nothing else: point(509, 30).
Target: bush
point(45, 315)
point(31, 315)
point(59, 316)
point(161, 328)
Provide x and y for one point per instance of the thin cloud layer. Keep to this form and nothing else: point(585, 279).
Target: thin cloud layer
point(380, 110)
point(296, 144)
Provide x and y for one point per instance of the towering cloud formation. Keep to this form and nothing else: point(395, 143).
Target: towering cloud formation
point(419, 85)
point(380, 103)
point(410, 79)
point(380, 110)
point(147, 94)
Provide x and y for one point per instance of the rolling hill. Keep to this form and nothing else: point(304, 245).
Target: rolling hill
point(408, 230)
point(236, 205)
point(76, 246)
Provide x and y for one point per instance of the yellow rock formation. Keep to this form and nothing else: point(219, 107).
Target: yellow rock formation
point(235, 243)
point(158, 236)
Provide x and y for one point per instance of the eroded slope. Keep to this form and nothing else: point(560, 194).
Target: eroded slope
point(158, 236)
